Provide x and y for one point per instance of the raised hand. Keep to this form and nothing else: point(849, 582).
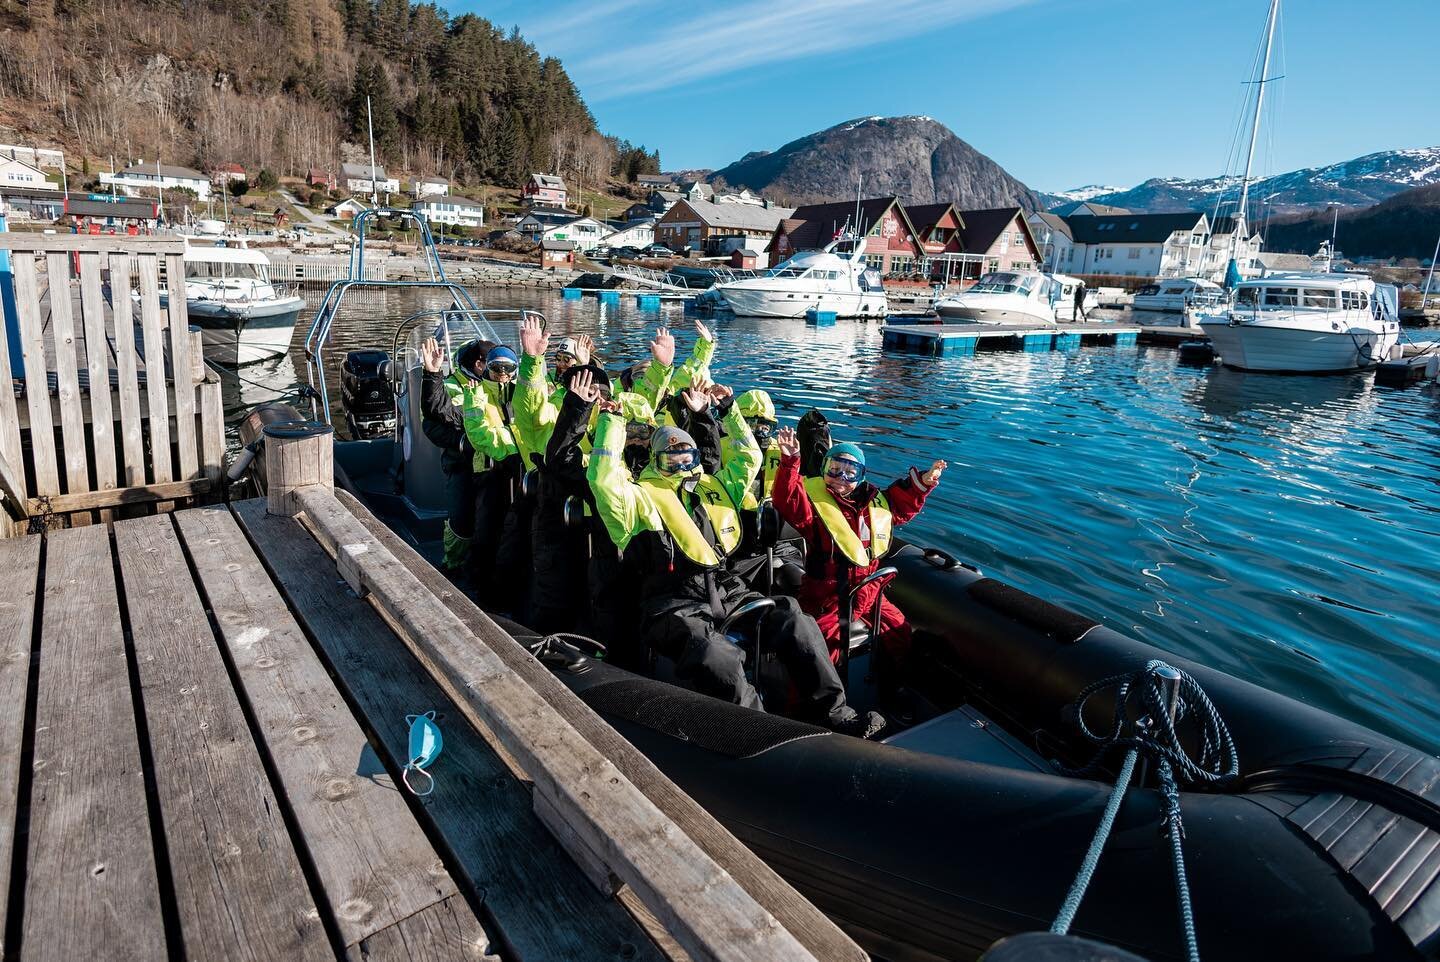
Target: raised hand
point(662, 347)
point(789, 443)
point(719, 392)
point(703, 332)
point(584, 387)
point(609, 405)
point(695, 398)
point(932, 477)
point(431, 355)
point(584, 349)
point(534, 339)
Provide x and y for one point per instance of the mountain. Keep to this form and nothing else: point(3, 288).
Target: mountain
point(1077, 195)
point(916, 158)
point(1402, 226)
point(1361, 182)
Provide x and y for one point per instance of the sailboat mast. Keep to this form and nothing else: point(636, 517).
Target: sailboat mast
point(1255, 124)
point(370, 130)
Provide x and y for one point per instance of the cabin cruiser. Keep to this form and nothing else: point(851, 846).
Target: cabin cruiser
point(1011, 297)
point(243, 316)
point(1305, 322)
point(1178, 295)
point(835, 279)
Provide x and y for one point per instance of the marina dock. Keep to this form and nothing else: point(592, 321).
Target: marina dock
point(205, 708)
point(950, 340)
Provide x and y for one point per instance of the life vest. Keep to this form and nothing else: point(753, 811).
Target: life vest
point(770, 465)
point(881, 524)
point(683, 530)
point(497, 412)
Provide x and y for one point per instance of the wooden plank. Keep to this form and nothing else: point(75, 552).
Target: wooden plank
point(711, 916)
point(20, 560)
point(92, 889)
point(824, 939)
point(114, 497)
point(443, 932)
point(155, 391)
point(132, 443)
point(67, 381)
point(32, 345)
point(212, 430)
point(84, 242)
point(97, 363)
point(373, 860)
point(181, 379)
point(239, 890)
point(12, 489)
point(10, 450)
point(479, 808)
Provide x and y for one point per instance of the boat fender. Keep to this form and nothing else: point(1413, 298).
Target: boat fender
point(1059, 623)
point(946, 561)
point(1048, 947)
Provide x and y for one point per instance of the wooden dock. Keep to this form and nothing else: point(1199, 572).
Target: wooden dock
point(205, 722)
point(952, 340)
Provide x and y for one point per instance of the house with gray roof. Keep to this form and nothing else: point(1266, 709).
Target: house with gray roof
point(152, 177)
point(718, 229)
point(1138, 245)
point(365, 179)
point(546, 189)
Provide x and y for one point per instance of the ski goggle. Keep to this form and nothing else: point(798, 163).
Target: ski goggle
point(843, 469)
point(502, 368)
point(675, 460)
point(762, 428)
point(565, 357)
point(638, 431)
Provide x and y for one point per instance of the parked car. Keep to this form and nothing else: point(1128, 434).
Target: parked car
point(625, 253)
point(658, 250)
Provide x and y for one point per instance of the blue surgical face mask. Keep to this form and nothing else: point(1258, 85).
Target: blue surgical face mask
point(425, 742)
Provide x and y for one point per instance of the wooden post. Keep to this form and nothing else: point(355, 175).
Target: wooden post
point(298, 454)
point(197, 356)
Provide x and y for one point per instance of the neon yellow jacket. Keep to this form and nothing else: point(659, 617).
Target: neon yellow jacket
point(626, 508)
point(493, 427)
point(662, 380)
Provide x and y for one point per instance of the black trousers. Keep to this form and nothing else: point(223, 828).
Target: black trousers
point(500, 553)
point(460, 500)
point(559, 597)
point(712, 664)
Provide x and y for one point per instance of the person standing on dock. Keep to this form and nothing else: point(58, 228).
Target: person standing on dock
point(1077, 312)
point(847, 522)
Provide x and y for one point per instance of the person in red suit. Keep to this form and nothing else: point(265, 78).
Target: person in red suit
point(847, 523)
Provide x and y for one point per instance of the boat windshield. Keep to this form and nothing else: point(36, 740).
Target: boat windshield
point(1003, 283)
point(210, 270)
point(785, 271)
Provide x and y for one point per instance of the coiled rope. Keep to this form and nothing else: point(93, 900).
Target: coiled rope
point(1151, 703)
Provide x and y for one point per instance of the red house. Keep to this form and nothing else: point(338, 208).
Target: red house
point(544, 189)
point(320, 178)
point(891, 242)
point(999, 239)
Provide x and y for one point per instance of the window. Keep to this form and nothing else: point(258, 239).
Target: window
point(1319, 297)
point(1281, 297)
point(1134, 253)
point(1354, 300)
point(1019, 237)
point(1248, 296)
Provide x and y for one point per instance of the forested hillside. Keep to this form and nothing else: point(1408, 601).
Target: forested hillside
point(281, 84)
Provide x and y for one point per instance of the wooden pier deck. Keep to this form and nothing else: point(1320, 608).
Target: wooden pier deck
point(949, 340)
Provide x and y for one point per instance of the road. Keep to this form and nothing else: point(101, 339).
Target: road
point(314, 220)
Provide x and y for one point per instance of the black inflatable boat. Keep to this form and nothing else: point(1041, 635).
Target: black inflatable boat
point(960, 830)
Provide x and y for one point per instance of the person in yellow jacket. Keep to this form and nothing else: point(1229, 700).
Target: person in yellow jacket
point(442, 401)
point(783, 567)
point(678, 527)
point(500, 552)
point(660, 382)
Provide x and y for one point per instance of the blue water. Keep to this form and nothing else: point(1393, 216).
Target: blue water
point(1285, 529)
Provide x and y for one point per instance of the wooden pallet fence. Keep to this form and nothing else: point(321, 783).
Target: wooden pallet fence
point(115, 405)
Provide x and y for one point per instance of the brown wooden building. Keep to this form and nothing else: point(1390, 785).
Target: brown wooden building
point(891, 242)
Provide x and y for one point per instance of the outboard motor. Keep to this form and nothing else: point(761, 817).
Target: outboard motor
point(368, 398)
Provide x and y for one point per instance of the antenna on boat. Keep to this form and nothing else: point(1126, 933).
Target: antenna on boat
point(1254, 132)
point(370, 129)
point(1334, 234)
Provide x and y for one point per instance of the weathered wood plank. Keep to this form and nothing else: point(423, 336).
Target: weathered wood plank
point(212, 430)
point(12, 488)
point(181, 378)
point(20, 560)
point(132, 443)
point(824, 939)
point(10, 450)
point(84, 242)
point(67, 380)
point(155, 392)
point(375, 863)
point(92, 891)
point(114, 497)
point(711, 916)
point(444, 932)
point(97, 363)
point(479, 808)
point(37, 402)
point(239, 889)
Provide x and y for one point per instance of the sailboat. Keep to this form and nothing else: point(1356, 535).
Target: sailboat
point(1308, 322)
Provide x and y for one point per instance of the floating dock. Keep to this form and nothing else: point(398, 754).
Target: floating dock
point(948, 340)
point(205, 708)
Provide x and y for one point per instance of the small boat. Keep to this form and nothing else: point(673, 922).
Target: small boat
point(1179, 295)
point(243, 316)
point(1307, 323)
point(1009, 297)
point(835, 279)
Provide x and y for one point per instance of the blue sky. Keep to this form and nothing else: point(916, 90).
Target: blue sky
point(1059, 92)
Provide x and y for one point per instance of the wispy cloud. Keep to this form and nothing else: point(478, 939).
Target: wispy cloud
point(675, 48)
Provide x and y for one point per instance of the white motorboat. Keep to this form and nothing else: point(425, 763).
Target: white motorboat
point(1307, 323)
point(1180, 295)
point(243, 316)
point(835, 279)
point(1008, 297)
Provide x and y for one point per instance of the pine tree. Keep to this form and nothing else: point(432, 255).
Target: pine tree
point(371, 80)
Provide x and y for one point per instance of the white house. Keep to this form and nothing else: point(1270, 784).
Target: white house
point(430, 187)
point(155, 176)
point(586, 232)
point(17, 173)
point(347, 209)
point(1053, 236)
point(41, 157)
point(1246, 249)
point(1137, 245)
point(460, 211)
point(363, 179)
point(635, 233)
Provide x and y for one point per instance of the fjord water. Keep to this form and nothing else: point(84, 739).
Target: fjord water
point(1285, 529)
